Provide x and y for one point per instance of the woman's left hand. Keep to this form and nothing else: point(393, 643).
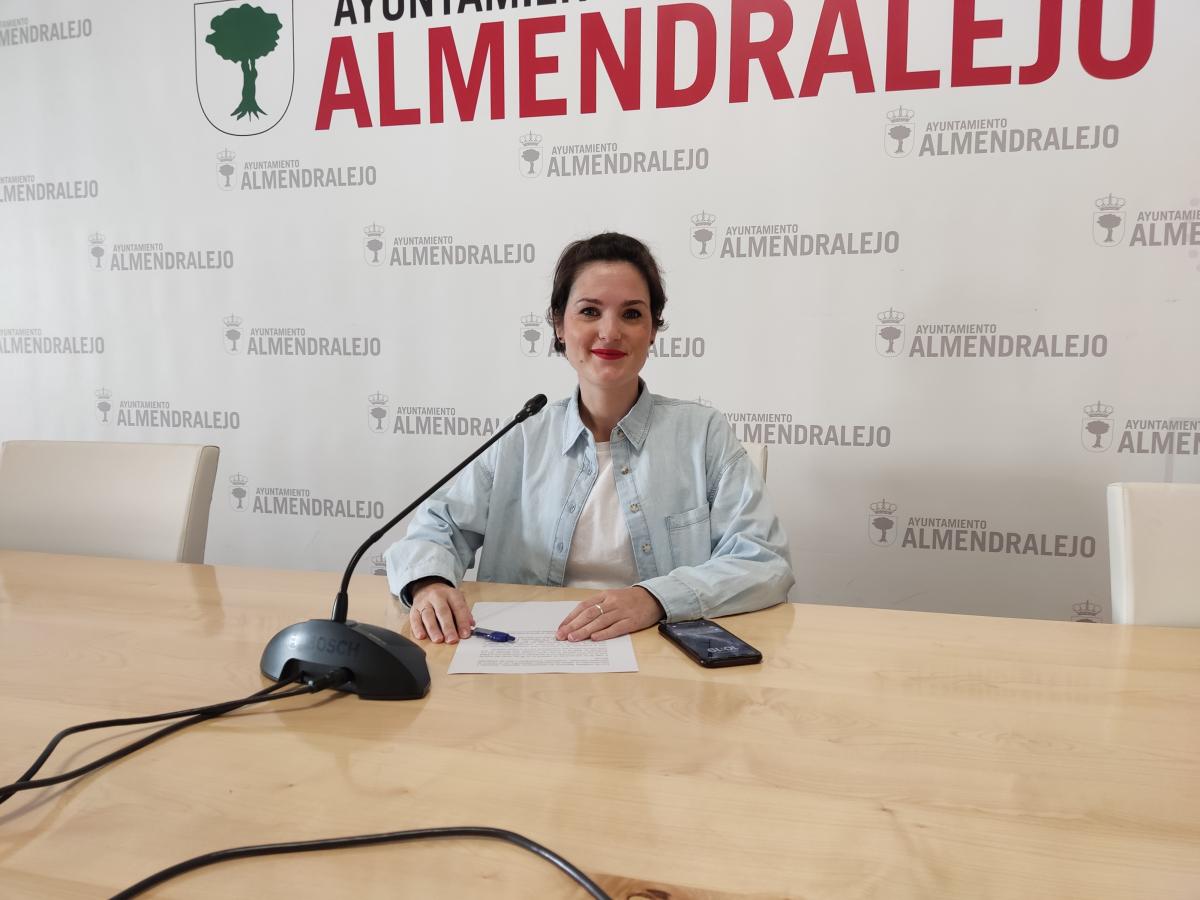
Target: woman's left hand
point(610, 614)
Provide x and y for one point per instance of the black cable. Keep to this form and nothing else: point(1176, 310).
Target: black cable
point(364, 840)
point(112, 723)
point(198, 714)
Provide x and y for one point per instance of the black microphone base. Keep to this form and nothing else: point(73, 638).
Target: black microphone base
point(385, 665)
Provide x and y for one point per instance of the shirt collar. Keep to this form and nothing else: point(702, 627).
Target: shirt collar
point(635, 425)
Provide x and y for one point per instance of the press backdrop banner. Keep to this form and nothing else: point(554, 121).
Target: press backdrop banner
point(941, 256)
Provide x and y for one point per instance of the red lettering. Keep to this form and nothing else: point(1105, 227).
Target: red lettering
point(898, 77)
point(766, 51)
point(596, 43)
point(1049, 45)
point(855, 60)
point(1141, 40)
point(342, 58)
point(532, 65)
point(968, 30)
point(388, 114)
point(489, 47)
point(667, 95)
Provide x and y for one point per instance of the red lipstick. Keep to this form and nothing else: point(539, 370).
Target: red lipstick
point(609, 354)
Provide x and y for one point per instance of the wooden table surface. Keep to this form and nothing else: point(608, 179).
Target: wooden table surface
point(874, 753)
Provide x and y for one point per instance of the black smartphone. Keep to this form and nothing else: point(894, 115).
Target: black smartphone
point(709, 644)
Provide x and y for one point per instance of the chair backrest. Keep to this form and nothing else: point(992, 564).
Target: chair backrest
point(758, 456)
point(1152, 553)
point(139, 501)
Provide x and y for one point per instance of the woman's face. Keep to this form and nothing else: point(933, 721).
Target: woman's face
point(607, 326)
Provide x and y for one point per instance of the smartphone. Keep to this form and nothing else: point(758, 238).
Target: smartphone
point(709, 644)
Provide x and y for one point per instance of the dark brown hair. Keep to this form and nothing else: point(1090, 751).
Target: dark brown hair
point(611, 246)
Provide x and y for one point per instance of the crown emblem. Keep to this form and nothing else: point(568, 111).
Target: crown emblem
point(226, 155)
point(378, 398)
point(374, 230)
point(890, 317)
point(1110, 203)
point(531, 140)
point(232, 321)
point(103, 394)
point(882, 507)
point(96, 238)
point(900, 114)
point(238, 480)
point(531, 320)
point(1086, 610)
point(1099, 411)
point(703, 219)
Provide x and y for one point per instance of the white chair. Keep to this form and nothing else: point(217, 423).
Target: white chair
point(758, 456)
point(1153, 556)
point(138, 501)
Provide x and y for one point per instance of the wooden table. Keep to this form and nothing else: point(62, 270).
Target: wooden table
point(874, 754)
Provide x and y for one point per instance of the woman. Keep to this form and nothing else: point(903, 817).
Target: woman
point(651, 501)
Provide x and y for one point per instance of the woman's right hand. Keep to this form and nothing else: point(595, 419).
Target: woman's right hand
point(439, 612)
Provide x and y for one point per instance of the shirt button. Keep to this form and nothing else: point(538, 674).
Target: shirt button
point(634, 507)
point(645, 548)
point(624, 470)
point(570, 507)
point(558, 546)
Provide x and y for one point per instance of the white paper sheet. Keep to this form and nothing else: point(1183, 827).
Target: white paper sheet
point(535, 648)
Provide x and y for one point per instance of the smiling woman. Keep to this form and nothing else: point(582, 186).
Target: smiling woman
point(651, 501)
point(606, 308)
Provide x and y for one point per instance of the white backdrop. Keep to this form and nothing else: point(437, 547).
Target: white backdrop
point(955, 311)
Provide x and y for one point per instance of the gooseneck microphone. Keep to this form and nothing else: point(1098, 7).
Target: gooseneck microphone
point(384, 665)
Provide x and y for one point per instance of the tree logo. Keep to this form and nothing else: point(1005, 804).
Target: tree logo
point(1096, 427)
point(377, 412)
point(96, 239)
point(533, 332)
point(225, 169)
point(1086, 611)
point(1108, 222)
point(889, 333)
point(373, 244)
point(898, 133)
point(230, 42)
point(701, 235)
point(237, 491)
point(529, 159)
point(231, 331)
point(881, 524)
point(103, 406)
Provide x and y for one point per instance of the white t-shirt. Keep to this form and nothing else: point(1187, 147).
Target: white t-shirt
point(601, 553)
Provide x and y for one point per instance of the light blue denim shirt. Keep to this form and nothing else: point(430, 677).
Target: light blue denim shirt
point(704, 537)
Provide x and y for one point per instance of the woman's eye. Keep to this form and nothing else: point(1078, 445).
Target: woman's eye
point(589, 311)
point(633, 313)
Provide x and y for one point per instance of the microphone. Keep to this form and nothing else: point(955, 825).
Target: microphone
point(532, 407)
point(384, 665)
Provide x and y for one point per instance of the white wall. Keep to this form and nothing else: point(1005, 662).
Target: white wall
point(117, 122)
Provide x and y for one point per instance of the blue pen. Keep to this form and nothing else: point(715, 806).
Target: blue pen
point(498, 636)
